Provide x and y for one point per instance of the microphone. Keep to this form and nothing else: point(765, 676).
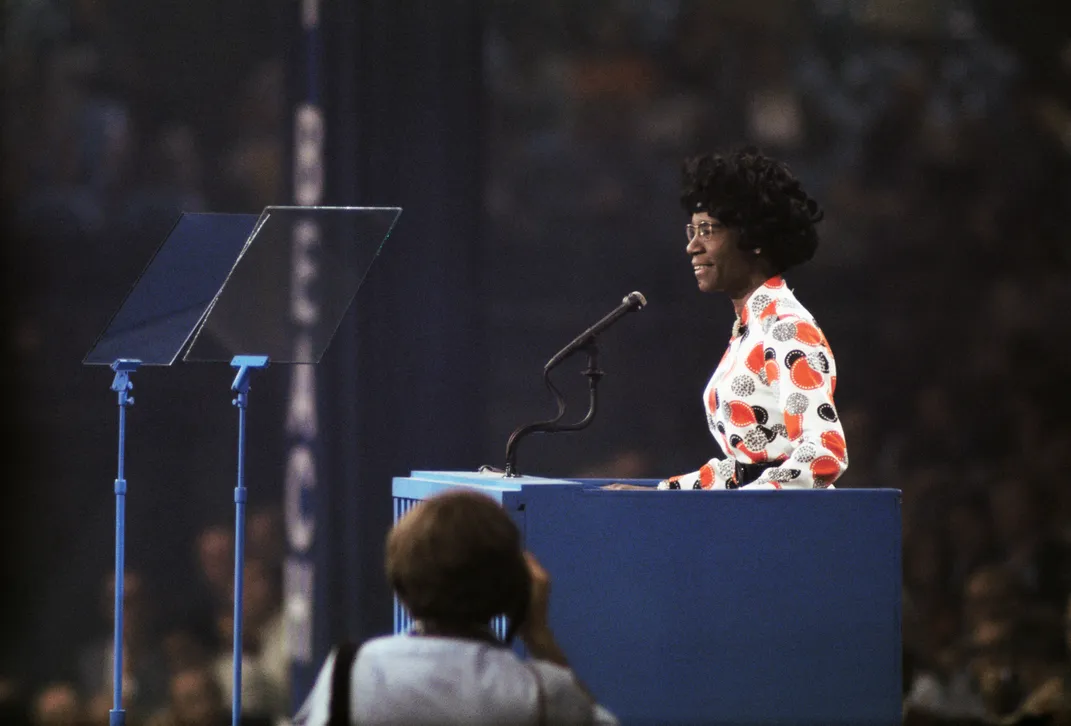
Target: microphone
point(632, 301)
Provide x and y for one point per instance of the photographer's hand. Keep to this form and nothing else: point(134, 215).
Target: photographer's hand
point(536, 631)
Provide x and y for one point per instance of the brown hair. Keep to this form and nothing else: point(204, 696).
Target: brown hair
point(457, 559)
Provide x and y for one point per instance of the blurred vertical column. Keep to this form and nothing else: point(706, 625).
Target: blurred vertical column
point(388, 111)
point(303, 457)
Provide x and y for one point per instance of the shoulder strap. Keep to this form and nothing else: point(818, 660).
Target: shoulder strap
point(339, 709)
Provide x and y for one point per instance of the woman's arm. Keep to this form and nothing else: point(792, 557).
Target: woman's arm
point(712, 475)
point(799, 360)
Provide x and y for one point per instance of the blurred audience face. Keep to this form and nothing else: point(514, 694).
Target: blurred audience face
point(999, 685)
point(215, 554)
point(195, 698)
point(1015, 517)
point(57, 705)
point(266, 540)
point(969, 533)
point(182, 651)
point(934, 409)
point(180, 157)
point(990, 594)
point(225, 633)
point(992, 666)
point(260, 596)
point(859, 429)
point(1067, 626)
point(265, 94)
point(100, 705)
point(991, 633)
point(924, 562)
point(135, 606)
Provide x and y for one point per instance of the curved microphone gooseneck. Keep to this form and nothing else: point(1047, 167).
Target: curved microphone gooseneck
point(587, 343)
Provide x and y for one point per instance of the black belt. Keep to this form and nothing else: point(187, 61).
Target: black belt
point(747, 473)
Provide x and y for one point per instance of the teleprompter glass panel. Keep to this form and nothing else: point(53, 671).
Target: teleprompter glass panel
point(173, 292)
point(293, 282)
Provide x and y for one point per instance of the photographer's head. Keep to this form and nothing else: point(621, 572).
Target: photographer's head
point(456, 561)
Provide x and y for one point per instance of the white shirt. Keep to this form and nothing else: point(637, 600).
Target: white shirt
point(407, 679)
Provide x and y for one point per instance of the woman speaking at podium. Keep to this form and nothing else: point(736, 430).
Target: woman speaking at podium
point(769, 403)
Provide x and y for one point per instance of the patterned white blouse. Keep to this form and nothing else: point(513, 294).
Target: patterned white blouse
point(770, 400)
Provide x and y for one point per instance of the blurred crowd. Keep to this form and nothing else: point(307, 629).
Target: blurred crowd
point(106, 139)
point(938, 136)
point(118, 116)
point(938, 140)
point(178, 662)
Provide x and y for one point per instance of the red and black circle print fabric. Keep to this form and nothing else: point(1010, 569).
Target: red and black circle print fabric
point(771, 399)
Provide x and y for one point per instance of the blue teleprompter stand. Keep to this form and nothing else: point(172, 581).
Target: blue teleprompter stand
point(150, 328)
point(201, 297)
point(122, 386)
point(245, 364)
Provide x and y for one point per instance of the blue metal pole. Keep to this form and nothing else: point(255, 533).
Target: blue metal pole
point(122, 386)
point(245, 365)
point(239, 557)
point(117, 715)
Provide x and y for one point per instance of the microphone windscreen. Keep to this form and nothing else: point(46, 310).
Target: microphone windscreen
point(636, 300)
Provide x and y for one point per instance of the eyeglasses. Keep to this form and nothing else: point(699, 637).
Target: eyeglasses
point(703, 229)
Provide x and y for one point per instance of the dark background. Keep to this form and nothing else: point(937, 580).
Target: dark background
point(536, 148)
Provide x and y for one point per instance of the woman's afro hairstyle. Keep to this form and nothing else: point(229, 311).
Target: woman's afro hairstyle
point(759, 197)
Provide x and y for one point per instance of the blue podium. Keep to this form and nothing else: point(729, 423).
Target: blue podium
point(724, 607)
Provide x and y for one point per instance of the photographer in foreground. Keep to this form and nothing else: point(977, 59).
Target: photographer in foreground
point(456, 562)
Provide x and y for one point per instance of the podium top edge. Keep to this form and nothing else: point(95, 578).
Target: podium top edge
point(489, 478)
point(494, 480)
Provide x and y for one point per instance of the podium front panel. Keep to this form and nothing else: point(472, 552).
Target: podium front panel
point(725, 607)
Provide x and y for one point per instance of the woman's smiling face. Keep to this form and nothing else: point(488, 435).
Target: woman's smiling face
point(717, 260)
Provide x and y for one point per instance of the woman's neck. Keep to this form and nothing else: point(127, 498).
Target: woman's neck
point(754, 282)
